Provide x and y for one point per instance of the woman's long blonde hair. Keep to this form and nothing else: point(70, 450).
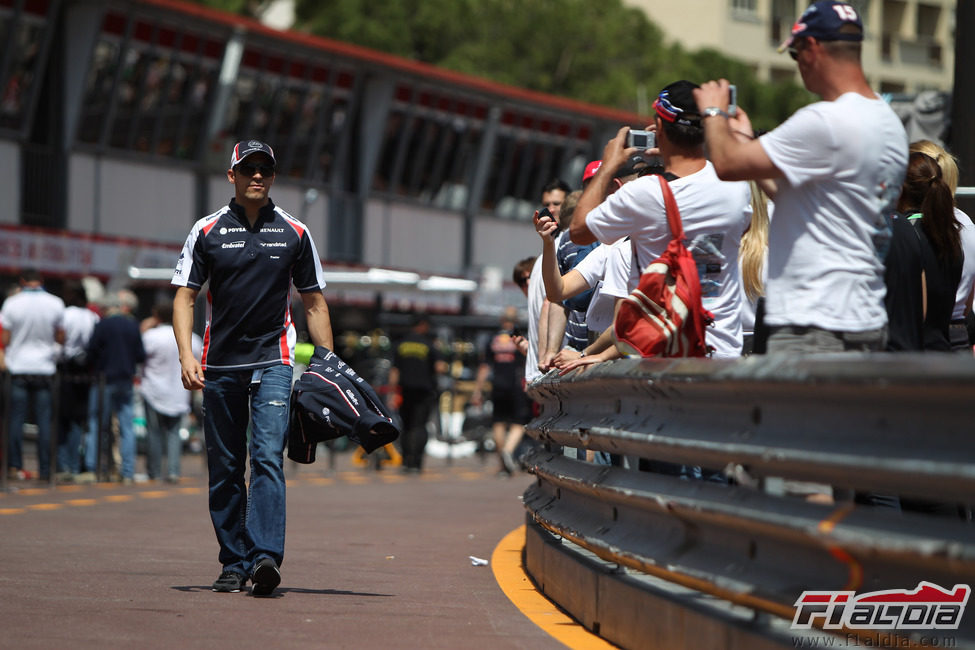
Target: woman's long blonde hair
point(754, 243)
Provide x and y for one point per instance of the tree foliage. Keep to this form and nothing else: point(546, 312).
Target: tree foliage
point(597, 52)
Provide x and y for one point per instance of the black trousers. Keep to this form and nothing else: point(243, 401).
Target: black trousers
point(415, 411)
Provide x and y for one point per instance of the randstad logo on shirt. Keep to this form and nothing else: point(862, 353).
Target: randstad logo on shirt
point(224, 230)
point(233, 244)
point(274, 244)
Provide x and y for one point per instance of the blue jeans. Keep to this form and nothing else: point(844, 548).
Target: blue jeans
point(117, 399)
point(25, 389)
point(163, 428)
point(249, 524)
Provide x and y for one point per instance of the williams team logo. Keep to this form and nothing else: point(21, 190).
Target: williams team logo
point(928, 607)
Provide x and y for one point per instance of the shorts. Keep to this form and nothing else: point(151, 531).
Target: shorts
point(510, 407)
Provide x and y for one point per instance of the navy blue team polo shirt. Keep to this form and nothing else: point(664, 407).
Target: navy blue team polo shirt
point(250, 272)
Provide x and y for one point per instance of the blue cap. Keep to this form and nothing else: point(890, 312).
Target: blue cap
point(823, 21)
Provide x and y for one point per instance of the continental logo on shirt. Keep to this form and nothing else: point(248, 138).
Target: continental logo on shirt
point(274, 244)
point(233, 244)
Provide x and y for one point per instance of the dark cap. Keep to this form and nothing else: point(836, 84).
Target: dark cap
point(245, 148)
point(824, 21)
point(633, 165)
point(675, 104)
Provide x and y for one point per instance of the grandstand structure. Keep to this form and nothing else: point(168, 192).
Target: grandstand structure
point(117, 119)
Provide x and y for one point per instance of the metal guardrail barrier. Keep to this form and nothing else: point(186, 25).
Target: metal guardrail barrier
point(882, 423)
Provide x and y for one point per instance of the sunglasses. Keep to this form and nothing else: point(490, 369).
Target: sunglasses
point(247, 169)
point(523, 281)
point(794, 50)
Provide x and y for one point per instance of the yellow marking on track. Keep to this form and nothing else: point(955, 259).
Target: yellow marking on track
point(12, 511)
point(46, 506)
point(118, 498)
point(32, 492)
point(320, 480)
point(470, 476)
point(356, 479)
point(82, 502)
point(514, 582)
point(154, 494)
point(189, 490)
point(392, 478)
point(70, 488)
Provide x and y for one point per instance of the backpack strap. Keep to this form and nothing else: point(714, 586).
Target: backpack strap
point(673, 214)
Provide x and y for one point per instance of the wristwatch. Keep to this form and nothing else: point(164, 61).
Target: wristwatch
point(711, 111)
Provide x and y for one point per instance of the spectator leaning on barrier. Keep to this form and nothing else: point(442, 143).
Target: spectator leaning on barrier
point(569, 254)
point(32, 329)
point(553, 318)
point(250, 251)
point(714, 213)
point(834, 170)
point(115, 352)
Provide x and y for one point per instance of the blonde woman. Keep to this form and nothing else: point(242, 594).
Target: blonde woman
point(752, 257)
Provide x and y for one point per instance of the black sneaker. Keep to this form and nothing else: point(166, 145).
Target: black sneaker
point(230, 582)
point(266, 577)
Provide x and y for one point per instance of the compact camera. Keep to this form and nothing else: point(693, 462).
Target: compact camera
point(641, 139)
point(732, 99)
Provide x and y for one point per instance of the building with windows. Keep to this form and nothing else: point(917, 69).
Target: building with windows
point(908, 45)
point(118, 116)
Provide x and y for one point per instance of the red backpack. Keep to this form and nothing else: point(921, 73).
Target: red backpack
point(664, 316)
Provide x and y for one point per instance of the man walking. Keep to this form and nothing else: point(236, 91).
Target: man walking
point(834, 170)
point(417, 364)
point(250, 251)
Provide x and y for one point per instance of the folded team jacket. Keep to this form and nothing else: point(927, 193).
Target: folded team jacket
point(330, 400)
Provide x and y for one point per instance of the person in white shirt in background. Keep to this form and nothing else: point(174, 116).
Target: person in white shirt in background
point(79, 323)
point(166, 401)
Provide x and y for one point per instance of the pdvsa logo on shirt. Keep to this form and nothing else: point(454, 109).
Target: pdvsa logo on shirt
point(233, 244)
point(224, 230)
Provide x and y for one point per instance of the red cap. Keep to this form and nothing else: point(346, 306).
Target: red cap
point(591, 170)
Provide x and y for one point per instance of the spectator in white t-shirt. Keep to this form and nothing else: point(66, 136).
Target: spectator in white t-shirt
point(714, 213)
point(33, 327)
point(162, 389)
point(834, 170)
point(75, 379)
